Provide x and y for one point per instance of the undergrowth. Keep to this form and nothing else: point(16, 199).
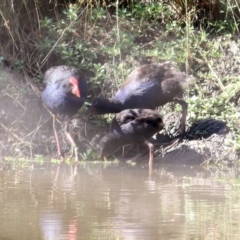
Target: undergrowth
point(107, 39)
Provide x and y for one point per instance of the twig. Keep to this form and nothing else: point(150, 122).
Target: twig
point(6, 24)
point(37, 127)
point(33, 86)
point(213, 72)
point(9, 131)
point(61, 35)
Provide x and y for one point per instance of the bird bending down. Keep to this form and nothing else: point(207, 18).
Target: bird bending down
point(148, 86)
point(64, 94)
point(132, 126)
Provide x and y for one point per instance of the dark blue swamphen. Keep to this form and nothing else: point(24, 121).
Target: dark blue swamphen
point(148, 86)
point(132, 126)
point(64, 94)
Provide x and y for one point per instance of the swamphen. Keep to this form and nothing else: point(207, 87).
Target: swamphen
point(129, 127)
point(148, 86)
point(65, 93)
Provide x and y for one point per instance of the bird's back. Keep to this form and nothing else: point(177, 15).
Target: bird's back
point(150, 85)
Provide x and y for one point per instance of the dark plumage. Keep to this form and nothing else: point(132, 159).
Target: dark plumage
point(132, 126)
point(65, 93)
point(148, 86)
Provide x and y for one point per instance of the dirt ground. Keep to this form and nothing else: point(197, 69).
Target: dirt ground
point(26, 130)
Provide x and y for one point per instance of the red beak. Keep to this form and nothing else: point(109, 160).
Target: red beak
point(75, 88)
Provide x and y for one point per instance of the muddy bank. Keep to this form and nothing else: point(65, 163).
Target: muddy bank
point(26, 130)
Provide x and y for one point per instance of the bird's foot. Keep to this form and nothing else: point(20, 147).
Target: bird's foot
point(61, 157)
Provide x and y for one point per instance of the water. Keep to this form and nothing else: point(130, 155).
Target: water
point(117, 201)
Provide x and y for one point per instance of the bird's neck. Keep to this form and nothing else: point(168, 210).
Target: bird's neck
point(113, 106)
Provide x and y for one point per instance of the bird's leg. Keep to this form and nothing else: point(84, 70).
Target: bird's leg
point(70, 139)
point(184, 114)
point(150, 163)
point(57, 139)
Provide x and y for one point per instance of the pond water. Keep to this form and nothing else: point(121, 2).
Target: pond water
point(117, 201)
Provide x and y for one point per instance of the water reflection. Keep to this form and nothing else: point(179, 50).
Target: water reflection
point(118, 201)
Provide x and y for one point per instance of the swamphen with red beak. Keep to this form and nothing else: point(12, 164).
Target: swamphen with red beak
point(65, 93)
point(148, 86)
point(132, 126)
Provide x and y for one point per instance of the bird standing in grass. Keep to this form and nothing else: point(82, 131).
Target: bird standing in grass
point(148, 86)
point(64, 94)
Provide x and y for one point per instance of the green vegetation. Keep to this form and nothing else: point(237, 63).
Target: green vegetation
point(107, 39)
